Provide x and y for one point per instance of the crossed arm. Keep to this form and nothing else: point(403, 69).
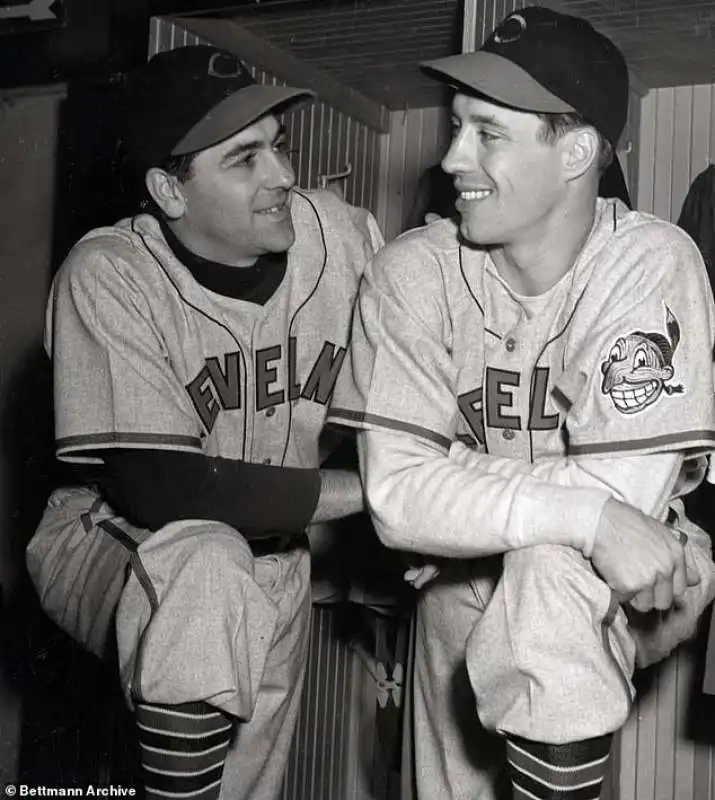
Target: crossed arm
point(466, 504)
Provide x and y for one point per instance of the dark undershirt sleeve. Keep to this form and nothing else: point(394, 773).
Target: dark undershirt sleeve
point(151, 488)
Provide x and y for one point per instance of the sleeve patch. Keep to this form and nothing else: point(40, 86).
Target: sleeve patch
point(639, 368)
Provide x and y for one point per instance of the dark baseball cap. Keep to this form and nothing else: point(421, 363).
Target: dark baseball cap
point(185, 100)
point(542, 61)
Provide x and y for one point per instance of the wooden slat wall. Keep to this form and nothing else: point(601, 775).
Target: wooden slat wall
point(677, 142)
point(417, 139)
point(491, 12)
point(325, 140)
point(659, 759)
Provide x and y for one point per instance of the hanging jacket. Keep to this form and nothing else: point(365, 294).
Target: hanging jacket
point(697, 217)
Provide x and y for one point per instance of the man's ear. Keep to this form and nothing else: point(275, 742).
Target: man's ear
point(580, 149)
point(166, 192)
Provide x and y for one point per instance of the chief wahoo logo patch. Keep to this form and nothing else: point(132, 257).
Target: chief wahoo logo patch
point(639, 367)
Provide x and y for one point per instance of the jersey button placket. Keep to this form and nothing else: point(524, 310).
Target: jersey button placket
point(508, 434)
point(510, 345)
point(271, 411)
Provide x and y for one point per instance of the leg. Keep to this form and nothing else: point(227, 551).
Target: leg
point(550, 664)
point(454, 757)
point(255, 765)
point(195, 625)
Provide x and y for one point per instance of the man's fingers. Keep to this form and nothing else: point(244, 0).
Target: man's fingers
point(663, 594)
point(643, 600)
point(419, 576)
point(692, 574)
point(680, 579)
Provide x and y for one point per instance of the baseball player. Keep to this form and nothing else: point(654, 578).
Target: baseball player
point(195, 350)
point(527, 383)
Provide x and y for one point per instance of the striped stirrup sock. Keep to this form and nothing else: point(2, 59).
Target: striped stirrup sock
point(572, 771)
point(183, 749)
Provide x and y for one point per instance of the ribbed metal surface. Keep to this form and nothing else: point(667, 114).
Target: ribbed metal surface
point(324, 140)
point(322, 760)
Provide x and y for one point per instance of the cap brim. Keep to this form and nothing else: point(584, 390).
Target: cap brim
point(236, 112)
point(497, 78)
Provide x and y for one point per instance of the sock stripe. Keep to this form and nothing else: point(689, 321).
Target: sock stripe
point(556, 776)
point(183, 744)
point(194, 773)
point(571, 771)
point(166, 760)
point(521, 794)
point(206, 793)
point(541, 792)
point(558, 787)
point(154, 718)
point(159, 781)
point(530, 760)
point(183, 749)
point(192, 710)
point(572, 754)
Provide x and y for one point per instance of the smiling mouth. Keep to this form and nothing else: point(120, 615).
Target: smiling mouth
point(476, 194)
point(632, 399)
point(278, 208)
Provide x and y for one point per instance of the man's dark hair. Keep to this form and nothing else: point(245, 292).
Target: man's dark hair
point(180, 167)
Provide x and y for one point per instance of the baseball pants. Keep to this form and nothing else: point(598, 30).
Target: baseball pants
point(536, 647)
point(201, 619)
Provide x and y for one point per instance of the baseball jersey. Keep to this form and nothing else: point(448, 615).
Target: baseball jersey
point(144, 356)
point(614, 360)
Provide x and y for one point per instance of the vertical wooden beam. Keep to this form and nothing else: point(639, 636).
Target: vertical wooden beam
point(469, 26)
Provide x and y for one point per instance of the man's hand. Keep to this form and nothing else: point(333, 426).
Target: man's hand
point(419, 576)
point(641, 559)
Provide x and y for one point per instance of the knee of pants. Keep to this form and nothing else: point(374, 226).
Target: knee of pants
point(547, 649)
point(196, 551)
point(192, 623)
point(551, 579)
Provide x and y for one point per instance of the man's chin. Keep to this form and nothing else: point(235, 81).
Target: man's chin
point(282, 239)
point(475, 234)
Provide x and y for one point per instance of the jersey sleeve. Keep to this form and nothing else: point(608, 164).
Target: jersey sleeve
point(399, 375)
point(640, 379)
point(113, 383)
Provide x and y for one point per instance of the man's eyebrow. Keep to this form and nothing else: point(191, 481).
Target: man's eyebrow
point(252, 144)
point(481, 118)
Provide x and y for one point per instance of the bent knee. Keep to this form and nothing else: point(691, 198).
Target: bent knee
point(197, 545)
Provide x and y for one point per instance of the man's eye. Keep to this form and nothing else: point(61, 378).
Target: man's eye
point(283, 148)
point(487, 136)
point(248, 160)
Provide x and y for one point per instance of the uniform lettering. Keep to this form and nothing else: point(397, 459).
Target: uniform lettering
point(266, 375)
point(217, 387)
point(293, 383)
point(499, 398)
point(321, 381)
point(538, 419)
point(227, 382)
point(202, 397)
point(470, 404)
point(489, 408)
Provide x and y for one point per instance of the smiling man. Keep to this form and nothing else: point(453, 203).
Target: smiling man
point(531, 381)
point(195, 348)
